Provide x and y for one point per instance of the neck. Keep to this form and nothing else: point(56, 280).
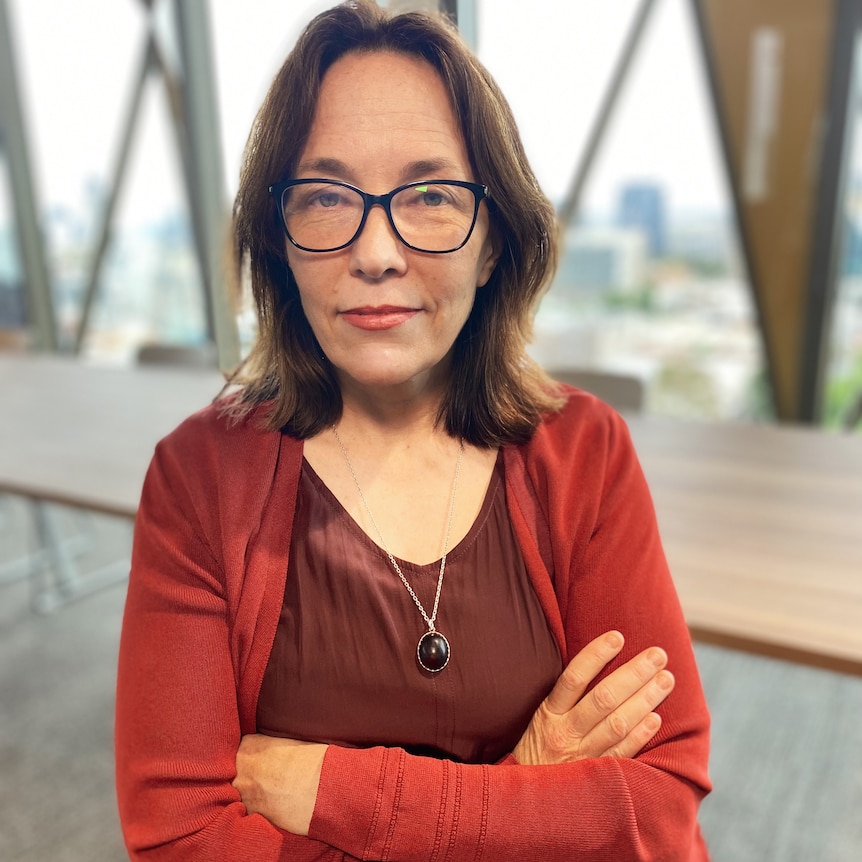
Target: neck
point(392, 412)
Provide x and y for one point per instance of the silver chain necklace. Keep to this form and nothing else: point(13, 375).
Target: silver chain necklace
point(432, 651)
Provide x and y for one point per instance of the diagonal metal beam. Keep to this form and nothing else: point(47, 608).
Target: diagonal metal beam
point(572, 201)
point(146, 67)
point(734, 186)
point(179, 123)
point(194, 121)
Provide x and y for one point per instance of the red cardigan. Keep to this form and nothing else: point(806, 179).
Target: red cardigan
point(208, 572)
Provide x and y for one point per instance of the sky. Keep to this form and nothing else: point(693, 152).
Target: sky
point(77, 63)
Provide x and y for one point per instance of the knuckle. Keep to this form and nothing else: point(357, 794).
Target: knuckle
point(603, 698)
point(618, 725)
point(573, 679)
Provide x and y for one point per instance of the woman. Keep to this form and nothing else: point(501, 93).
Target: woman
point(398, 598)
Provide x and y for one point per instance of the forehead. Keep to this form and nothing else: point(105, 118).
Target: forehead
point(385, 106)
point(383, 78)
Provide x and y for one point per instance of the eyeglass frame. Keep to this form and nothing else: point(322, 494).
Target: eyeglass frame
point(480, 193)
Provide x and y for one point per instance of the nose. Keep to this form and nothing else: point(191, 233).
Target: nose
point(377, 250)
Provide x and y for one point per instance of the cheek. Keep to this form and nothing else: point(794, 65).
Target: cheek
point(461, 294)
point(309, 278)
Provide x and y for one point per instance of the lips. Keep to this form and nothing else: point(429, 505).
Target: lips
point(378, 317)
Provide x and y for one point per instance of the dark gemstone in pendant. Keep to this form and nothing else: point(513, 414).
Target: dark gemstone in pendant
point(433, 652)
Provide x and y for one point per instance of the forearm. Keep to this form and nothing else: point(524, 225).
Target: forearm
point(228, 836)
point(383, 803)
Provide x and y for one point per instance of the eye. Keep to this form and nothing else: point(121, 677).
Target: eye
point(431, 196)
point(325, 199)
point(307, 197)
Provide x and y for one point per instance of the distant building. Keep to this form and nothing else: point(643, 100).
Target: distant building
point(11, 283)
point(597, 260)
point(642, 207)
point(11, 305)
point(851, 263)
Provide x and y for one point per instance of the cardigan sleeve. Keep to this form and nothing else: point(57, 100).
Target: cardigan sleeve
point(177, 716)
point(610, 573)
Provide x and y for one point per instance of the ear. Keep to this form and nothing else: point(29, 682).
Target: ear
point(488, 257)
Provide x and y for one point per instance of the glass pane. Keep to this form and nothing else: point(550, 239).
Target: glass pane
point(250, 42)
point(651, 281)
point(77, 78)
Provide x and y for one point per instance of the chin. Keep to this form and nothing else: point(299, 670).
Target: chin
point(389, 375)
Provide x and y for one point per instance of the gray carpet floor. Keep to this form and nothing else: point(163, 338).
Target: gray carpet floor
point(786, 756)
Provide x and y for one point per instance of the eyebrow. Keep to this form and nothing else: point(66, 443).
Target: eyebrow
point(426, 169)
point(422, 169)
point(331, 167)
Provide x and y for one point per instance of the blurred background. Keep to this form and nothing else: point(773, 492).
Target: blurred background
point(704, 160)
point(711, 248)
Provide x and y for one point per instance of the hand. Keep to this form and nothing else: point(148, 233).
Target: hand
point(615, 718)
point(278, 778)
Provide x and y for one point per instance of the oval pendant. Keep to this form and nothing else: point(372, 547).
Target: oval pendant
point(432, 652)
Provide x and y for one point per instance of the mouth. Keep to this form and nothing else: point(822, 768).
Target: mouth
point(379, 316)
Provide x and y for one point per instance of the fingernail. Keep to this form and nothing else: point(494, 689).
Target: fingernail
point(664, 680)
point(656, 656)
point(614, 640)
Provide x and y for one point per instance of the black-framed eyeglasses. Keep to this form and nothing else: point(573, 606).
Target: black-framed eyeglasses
point(434, 216)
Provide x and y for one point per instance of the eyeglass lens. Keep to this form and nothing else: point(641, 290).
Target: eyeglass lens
point(429, 216)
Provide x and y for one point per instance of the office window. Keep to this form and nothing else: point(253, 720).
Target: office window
point(76, 78)
point(651, 280)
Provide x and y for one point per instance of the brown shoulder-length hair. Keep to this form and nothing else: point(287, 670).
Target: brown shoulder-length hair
point(496, 393)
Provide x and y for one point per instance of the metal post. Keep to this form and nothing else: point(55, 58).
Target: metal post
point(206, 163)
point(467, 20)
point(40, 306)
point(461, 12)
point(734, 186)
point(826, 228)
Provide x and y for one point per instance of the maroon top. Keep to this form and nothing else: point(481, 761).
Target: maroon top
point(343, 666)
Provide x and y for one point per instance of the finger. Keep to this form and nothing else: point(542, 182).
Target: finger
point(616, 689)
point(640, 735)
point(582, 670)
point(614, 731)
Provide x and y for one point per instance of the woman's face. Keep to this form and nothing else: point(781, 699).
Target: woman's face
point(385, 315)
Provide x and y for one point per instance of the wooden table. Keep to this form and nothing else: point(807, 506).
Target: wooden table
point(83, 434)
point(762, 524)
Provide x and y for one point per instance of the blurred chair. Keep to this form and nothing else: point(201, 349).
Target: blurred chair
point(186, 355)
point(14, 339)
point(624, 392)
